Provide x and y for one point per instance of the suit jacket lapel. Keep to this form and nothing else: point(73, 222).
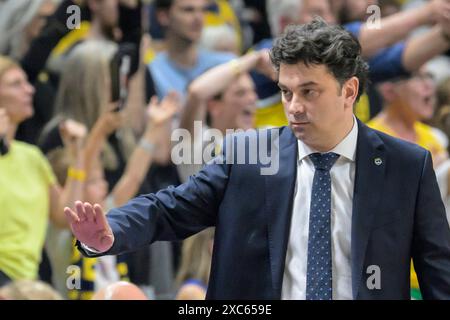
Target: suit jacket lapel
point(369, 178)
point(279, 192)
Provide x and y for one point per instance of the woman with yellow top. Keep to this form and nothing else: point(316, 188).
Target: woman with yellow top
point(407, 103)
point(29, 194)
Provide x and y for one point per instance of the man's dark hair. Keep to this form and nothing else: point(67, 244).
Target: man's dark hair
point(318, 43)
point(163, 4)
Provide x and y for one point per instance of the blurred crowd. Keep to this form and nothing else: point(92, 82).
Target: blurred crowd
point(91, 92)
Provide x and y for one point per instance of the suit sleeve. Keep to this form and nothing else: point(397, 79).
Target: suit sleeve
point(431, 241)
point(169, 215)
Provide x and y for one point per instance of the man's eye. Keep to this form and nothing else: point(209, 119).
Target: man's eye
point(286, 94)
point(310, 93)
point(188, 9)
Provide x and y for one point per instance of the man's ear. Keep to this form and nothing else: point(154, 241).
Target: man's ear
point(350, 91)
point(162, 16)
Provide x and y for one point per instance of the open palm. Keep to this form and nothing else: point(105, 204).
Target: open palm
point(90, 226)
point(160, 112)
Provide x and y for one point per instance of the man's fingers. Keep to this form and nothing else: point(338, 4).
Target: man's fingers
point(71, 215)
point(90, 215)
point(80, 210)
point(100, 216)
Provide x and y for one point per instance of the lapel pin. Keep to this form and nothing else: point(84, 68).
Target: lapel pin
point(378, 161)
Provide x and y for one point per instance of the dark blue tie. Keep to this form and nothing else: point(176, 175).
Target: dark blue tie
point(319, 273)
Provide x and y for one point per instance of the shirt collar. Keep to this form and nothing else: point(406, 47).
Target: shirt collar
point(346, 148)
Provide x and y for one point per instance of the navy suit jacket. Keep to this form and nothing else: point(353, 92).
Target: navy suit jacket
point(397, 215)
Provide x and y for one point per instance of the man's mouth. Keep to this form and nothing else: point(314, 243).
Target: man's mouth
point(299, 123)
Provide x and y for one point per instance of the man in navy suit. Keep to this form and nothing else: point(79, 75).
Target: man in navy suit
point(343, 216)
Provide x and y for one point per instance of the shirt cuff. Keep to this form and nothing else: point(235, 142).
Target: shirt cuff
point(89, 251)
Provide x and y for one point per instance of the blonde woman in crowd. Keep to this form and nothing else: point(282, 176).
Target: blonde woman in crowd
point(100, 272)
point(84, 95)
point(29, 193)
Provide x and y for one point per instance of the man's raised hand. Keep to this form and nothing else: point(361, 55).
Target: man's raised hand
point(90, 226)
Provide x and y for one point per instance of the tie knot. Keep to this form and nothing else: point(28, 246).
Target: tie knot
point(323, 161)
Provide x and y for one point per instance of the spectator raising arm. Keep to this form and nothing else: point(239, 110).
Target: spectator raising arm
point(159, 114)
point(420, 49)
point(73, 135)
point(216, 80)
point(397, 26)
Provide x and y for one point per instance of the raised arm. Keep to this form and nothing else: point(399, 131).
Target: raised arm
point(397, 26)
point(137, 166)
point(215, 81)
point(171, 214)
point(420, 49)
point(103, 127)
point(73, 135)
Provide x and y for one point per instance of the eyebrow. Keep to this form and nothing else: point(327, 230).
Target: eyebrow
point(305, 84)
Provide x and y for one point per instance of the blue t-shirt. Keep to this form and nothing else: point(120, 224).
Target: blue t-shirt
point(169, 76)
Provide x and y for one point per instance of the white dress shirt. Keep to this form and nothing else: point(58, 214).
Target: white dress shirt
point(342, 183)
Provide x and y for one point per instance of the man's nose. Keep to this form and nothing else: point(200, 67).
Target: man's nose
point(296, 106)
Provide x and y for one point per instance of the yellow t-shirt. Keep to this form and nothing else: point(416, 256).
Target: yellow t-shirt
point(425, 136)
point(25, 178)
point(426, 139)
